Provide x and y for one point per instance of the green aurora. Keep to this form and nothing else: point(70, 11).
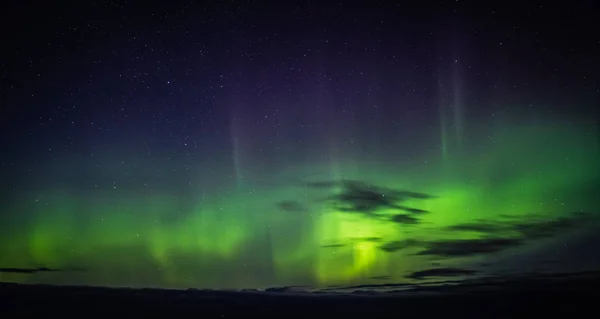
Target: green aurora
point(291, 232)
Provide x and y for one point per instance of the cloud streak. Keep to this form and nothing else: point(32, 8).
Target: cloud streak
point(495, 236)
point(468, 247)
point(441, 272)
point(30, 271)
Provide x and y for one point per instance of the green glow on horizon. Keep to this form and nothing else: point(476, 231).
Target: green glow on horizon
point(233, 239)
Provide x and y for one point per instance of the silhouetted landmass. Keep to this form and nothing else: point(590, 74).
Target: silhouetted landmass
point(535, 295)
point(285, 289)
point(370, 286)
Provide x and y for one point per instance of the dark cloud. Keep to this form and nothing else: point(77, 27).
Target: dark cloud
point(34, 270)
point(543, 229)
point(322, 184)
point(468, 247)
point(369, 239)
point(481, 227)
point(528, 230)
point(405, 219)
point(380, 277)
point(497, 235)
point(404, 195)
point(394, 194)
point(365, 198)
point(441, 272)
point(394, 246)
point(333, 246)
point(292, 206)
point(412, 210)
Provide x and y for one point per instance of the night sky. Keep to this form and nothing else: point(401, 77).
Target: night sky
point(232, 144)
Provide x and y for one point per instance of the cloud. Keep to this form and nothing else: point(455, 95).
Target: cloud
point(366, 198)
point(380, 277)
point(536, 228)
point(543, 229)
point(405, 219)
point(394, 246)
point(441, 272)
point(468, 247)
point(322, 184)
point(30, 271)
point(481, 227)
point(368, 239)
point(413, 210)
point(292, 206)
point(495, 236)
point(333, 246)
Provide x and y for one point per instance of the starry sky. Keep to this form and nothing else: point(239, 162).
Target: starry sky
point(249, 144)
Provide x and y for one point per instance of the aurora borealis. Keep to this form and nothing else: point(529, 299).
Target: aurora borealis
point(217, 152)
